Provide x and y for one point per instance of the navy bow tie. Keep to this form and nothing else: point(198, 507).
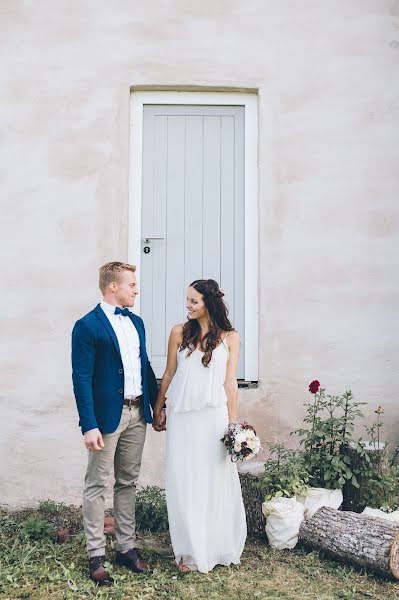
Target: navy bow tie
point(125, 312)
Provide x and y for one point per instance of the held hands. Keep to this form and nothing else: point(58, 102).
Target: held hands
point(93, 440)
point(159, 420)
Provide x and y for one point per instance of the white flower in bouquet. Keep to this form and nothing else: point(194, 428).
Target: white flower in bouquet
point(251, 435)
point(241, 437)
point(251, 444)
point(237, 447)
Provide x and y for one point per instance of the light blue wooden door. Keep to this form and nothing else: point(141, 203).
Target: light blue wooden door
point(192, 215)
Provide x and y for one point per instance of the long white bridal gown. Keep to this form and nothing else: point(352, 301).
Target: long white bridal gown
point(205, 508)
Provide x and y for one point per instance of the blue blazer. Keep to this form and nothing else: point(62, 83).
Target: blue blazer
point(97, 372)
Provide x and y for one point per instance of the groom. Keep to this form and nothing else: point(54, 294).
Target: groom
point(114, 387)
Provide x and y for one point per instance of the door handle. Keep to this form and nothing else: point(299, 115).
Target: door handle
point(148, 238)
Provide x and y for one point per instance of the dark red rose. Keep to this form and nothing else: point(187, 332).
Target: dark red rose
point(314, 386)
point(246, 425)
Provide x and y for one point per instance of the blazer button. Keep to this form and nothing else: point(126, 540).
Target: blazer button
point(120, 391)
point(120, 370)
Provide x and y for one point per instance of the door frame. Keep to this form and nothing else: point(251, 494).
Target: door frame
point(250, 103)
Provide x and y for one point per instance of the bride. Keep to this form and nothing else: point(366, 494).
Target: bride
point(205, 508)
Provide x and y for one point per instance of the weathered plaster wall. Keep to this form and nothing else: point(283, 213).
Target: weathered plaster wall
point(328, 80)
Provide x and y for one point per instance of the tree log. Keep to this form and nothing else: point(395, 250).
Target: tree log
point(253, 499)
point(369, 542)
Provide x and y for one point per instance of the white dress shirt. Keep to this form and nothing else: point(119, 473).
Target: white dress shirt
point(129, 344)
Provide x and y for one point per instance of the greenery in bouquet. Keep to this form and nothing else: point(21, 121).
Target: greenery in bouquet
point(285, 474)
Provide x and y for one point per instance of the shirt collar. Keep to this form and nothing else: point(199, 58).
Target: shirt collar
point(109, 309)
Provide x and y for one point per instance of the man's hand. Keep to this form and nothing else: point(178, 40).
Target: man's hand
point(93, 439)
point(159, 421)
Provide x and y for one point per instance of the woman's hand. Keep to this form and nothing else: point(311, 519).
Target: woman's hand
point(159, 420)
point(159, 413)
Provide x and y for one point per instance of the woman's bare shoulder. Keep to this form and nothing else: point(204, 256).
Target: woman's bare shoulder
point(232, 340)
point(232, 336)
point(177, 330)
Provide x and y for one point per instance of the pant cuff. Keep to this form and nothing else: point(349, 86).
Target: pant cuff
point(123, 549)
point(98, 552)
point(132, 544)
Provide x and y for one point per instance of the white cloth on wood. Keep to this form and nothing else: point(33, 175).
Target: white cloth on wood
point(380, 514)
point(283, 520)
point(315, 498)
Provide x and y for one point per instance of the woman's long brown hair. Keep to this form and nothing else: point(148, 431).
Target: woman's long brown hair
point(218, 321)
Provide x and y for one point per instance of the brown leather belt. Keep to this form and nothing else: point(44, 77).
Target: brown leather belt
point(133, 401)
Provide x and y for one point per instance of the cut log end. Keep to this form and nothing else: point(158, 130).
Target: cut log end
point(394, 557)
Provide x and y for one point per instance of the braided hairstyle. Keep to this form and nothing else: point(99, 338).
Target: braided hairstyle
point(212, 296)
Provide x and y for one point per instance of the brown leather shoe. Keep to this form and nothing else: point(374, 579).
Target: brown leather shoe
point(97, 572)
point(133, 560)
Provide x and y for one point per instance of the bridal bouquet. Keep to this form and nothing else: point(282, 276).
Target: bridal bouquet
point(241, 441)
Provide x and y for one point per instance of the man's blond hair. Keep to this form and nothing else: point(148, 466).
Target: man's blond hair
point(111, 271)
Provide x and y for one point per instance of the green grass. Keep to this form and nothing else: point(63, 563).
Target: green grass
point(41, 568)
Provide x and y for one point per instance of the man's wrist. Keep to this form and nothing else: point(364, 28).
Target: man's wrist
point(89, 430)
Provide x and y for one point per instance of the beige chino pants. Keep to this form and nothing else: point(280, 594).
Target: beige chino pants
point(122, 452)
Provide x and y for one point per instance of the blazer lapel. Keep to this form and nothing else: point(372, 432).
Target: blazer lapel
point(139, 328)
point(105, 321)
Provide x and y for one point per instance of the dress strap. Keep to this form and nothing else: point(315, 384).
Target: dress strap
point(225, 343)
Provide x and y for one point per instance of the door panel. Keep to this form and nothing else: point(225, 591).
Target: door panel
point(192, 198)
